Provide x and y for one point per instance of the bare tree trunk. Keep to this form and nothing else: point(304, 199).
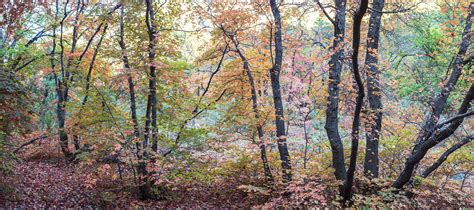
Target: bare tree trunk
point(359, 100)
point(374, 94)
point(335, 69)
point(61, 90)
point(150, 133)
point(277, 100)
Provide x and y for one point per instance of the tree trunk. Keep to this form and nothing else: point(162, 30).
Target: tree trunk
point(261, 142)
point(62, 91)
point(433, 140)
point(306, 142)
point(60, 112)
point(150, 133)
point(371, 162)
point(144, 188)
point(359, 100)
point(277, 100)
point(61, 115)
point(335, 69)
point(131, 85)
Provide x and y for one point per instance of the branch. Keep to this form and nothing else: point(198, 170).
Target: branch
point(31, 41)
point(217, 70)
point(26, 64)
point(467, 60)
point(30, 142)
point(36, 37)
point(437, 136)
point(393, 11)
point(195, 114)
point(326, 14)
point(445, 155)
point(91, 66)
point(89, 42)
point(459, 116)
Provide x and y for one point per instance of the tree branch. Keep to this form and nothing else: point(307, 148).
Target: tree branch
point(30, 142)
point(326, 14)
point(445, 155)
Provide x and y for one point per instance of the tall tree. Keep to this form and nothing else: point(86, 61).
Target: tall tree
point(68, 66)
point(261, 142)
point(335, 70)
point(374, 95)
point(131, 85)
point(150, 114)
point(150, 133)
point(144, 187)
point(277, 100)
point(360, 97)
point(335, 64)
point(432, 133)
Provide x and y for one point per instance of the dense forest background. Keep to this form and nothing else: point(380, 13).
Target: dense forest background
point(236, 103)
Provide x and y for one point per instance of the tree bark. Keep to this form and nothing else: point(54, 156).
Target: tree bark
point(335, 69)
point(359, 100)
point(277, 100)
point(150, 133)
point(374, 94)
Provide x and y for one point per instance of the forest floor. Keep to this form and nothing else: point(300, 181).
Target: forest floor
point(47, 179)
point(57, 182)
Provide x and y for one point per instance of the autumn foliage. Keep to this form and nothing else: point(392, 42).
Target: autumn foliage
point(266, 104)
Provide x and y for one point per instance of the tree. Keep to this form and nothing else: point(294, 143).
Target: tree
point(277, 100)
point(335, 69)
point(261, 142)
point(374, 94)
point(131, 85)
point(432, 133)
point(68, 63)
point(360, 97)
